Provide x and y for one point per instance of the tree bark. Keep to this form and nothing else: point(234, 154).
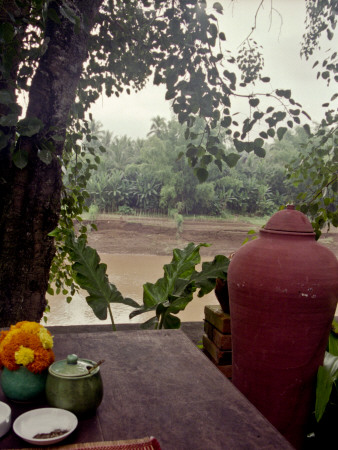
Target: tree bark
point(30, 197)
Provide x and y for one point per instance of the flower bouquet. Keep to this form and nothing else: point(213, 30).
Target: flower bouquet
point(25, 355)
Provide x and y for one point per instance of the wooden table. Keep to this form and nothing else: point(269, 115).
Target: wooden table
point(158, 383)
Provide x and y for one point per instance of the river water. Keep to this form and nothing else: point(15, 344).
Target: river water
point(128, 273)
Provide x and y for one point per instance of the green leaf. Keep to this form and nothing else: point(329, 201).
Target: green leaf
point(52, 14)
point(206, 159)
point(330, 34)
point(29, 126)
point(91, 275)
point(334, 329)
point(240, 146)
point(226, 122)
point(307, 129)
point(171, 321)
point(254, 102)
point(259, 142)
point(150, 324)
point(45, 156)
point(202, 174)
point(69, 14)
point(218, 7)
point(10, 120)
point(280, 132)
point(206, 279)
point(326, 376)
point(231, 159)
point(170, 95)
point(260, 152)
point(174, 290)
point(313, 208)
point(333, 344)
point(230, 75)
point(20, 158)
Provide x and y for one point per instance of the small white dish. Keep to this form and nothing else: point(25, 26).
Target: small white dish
point(5, 418)
point(45, 421)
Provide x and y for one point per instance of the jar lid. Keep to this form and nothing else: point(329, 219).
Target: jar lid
point(72, 367)
point(289, 220)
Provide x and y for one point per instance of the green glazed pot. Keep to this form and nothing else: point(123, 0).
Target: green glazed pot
point(22, 385)
point(74, 384)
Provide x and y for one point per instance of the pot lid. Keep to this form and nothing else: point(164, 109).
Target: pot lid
point(289, 220)
point(72, 367)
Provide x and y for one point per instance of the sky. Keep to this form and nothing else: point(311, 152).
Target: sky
point(278, 31)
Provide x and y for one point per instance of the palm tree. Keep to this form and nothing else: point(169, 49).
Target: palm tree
point(158, 127)
point(95, 128)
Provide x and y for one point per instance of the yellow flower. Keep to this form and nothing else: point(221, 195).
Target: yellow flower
point(24, 355)
point(45, 338)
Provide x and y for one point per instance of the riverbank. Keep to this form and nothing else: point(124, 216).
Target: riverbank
point(158, 235)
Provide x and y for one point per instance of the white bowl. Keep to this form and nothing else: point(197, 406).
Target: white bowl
point(45, 421)
point(5, 418)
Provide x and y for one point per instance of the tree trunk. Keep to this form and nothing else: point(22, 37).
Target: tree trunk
point(30, 197)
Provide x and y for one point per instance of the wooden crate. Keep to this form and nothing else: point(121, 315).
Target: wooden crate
point(221, 340)
point(217, 344)
point(219, 319)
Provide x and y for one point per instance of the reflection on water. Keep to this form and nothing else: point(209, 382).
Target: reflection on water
point(128, 273)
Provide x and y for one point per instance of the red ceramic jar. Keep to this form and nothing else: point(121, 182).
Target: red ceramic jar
point(283, 290)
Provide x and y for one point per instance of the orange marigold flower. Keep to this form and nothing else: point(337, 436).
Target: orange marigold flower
point(31, 336)
point(42, 357)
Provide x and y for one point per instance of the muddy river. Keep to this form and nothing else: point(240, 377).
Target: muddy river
point(128, 273)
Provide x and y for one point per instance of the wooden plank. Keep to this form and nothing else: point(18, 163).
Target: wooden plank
point(221, 340)
point(219, 319)
point(226, 370)
point(222, 357)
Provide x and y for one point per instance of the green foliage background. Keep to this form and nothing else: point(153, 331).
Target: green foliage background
point(152, 176)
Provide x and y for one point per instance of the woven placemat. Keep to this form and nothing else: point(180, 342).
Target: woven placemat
point(148, 443)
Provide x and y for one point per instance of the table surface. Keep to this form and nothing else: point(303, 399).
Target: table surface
point(158, 383)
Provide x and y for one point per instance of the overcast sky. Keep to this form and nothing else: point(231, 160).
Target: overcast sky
point(280, 35)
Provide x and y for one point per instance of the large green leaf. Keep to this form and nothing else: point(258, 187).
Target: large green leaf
point(333, 339)
point(9, 120)
point(29, 126)
point(171, 293)
point(206, 279)
point(326, 377)
point(91, 275)
point(182, 266)
point(231, 159)
point(20, 158)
